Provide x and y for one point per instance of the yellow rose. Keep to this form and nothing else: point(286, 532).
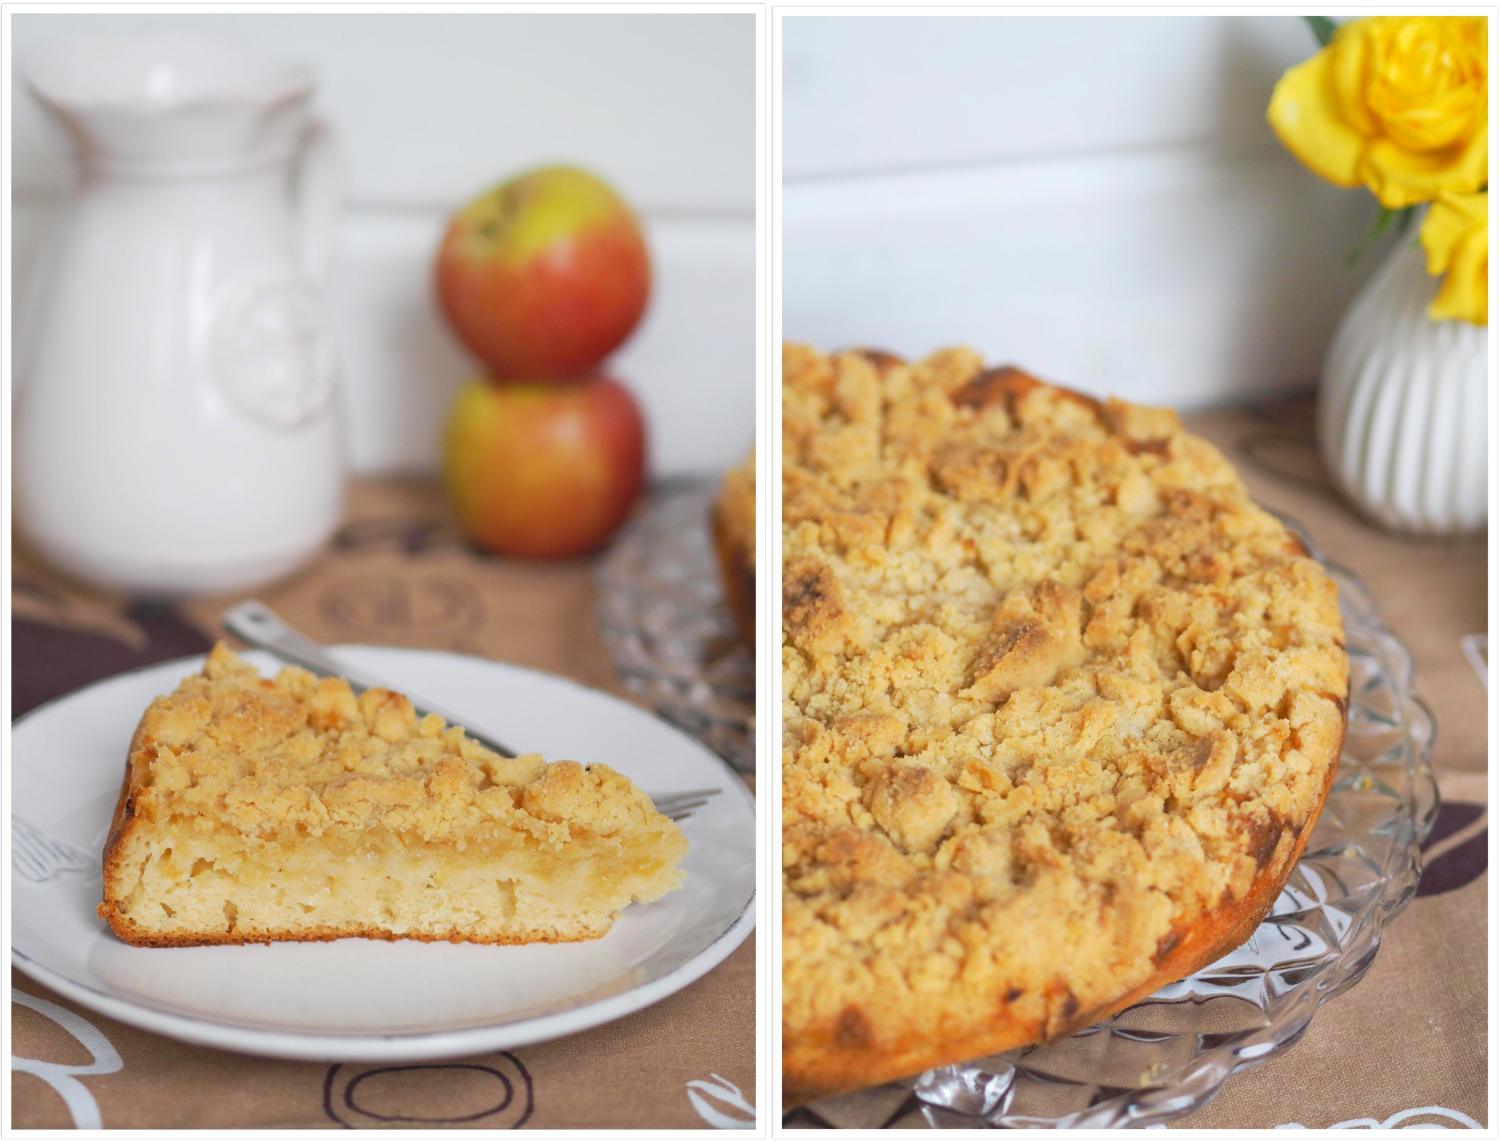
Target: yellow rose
point(1399, 104)
point(1456, 236)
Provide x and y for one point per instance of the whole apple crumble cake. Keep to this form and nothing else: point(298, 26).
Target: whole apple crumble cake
point(1061, 708)
point(258, 809)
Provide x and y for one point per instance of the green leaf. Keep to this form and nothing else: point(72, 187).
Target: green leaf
point(1323, 28)
point(1383, 221)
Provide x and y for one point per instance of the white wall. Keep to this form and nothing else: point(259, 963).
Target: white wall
point(431, 110)
point(1098, 199)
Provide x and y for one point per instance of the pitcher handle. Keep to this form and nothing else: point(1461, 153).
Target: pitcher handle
point(319, 183)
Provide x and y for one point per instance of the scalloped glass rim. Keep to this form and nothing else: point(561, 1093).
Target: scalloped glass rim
point(662, 615)
point(1169, 1054)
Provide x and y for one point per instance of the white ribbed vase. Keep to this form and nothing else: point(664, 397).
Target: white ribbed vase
point(1401, 407)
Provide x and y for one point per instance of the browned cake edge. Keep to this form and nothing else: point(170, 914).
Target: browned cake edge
point(125, 822)
point(735, 569)
point(826, 1062)
point(816, 1066)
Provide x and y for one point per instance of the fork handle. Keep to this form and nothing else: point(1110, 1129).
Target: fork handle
point(257, 624)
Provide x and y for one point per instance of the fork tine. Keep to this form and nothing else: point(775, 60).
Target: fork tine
point(24, 860)
point(684, 809)
point(39, 856)
point(668, 802)
point(676, 812)
point(34, 842)
point(49, 844)
point(679, 794)
point(29, 855)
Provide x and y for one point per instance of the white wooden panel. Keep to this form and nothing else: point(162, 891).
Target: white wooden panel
point(433, 108)
point(883, 93)
point(691, 363)
point(1178, 278)
point(1098, 199)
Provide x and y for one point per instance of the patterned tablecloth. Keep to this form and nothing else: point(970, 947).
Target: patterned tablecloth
point(397, 574)
point(1407, 1045)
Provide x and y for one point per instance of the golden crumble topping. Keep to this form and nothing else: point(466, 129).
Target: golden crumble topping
point(1056, 691)
point(301, 753)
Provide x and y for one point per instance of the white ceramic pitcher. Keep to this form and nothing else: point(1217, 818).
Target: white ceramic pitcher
point(176, 420)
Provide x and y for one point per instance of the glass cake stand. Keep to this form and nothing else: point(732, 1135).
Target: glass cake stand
point(674, 642)
point(1169, 1054)
point(662, 614)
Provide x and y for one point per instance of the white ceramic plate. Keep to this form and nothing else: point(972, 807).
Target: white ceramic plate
point(370, 999)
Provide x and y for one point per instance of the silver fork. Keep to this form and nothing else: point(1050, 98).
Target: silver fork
point(258, 625)
point(39, 857)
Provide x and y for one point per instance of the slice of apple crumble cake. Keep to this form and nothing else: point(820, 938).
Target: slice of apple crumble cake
point(258, 809)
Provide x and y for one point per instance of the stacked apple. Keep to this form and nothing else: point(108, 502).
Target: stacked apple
point(542, 278)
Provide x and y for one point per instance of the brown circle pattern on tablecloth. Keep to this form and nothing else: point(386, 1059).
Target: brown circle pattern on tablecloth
point(355, 1096)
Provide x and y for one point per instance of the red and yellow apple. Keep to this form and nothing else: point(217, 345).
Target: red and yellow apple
point(543, 469)
point(545, 275)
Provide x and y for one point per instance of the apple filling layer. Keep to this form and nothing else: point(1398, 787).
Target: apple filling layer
point(224, 890)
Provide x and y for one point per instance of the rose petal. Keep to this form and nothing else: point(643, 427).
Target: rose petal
point(1448, 220)
point(1455, 235)
point(1464, 294)
point(1306, 116)
point(1355, 59)
point(1401, 178)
